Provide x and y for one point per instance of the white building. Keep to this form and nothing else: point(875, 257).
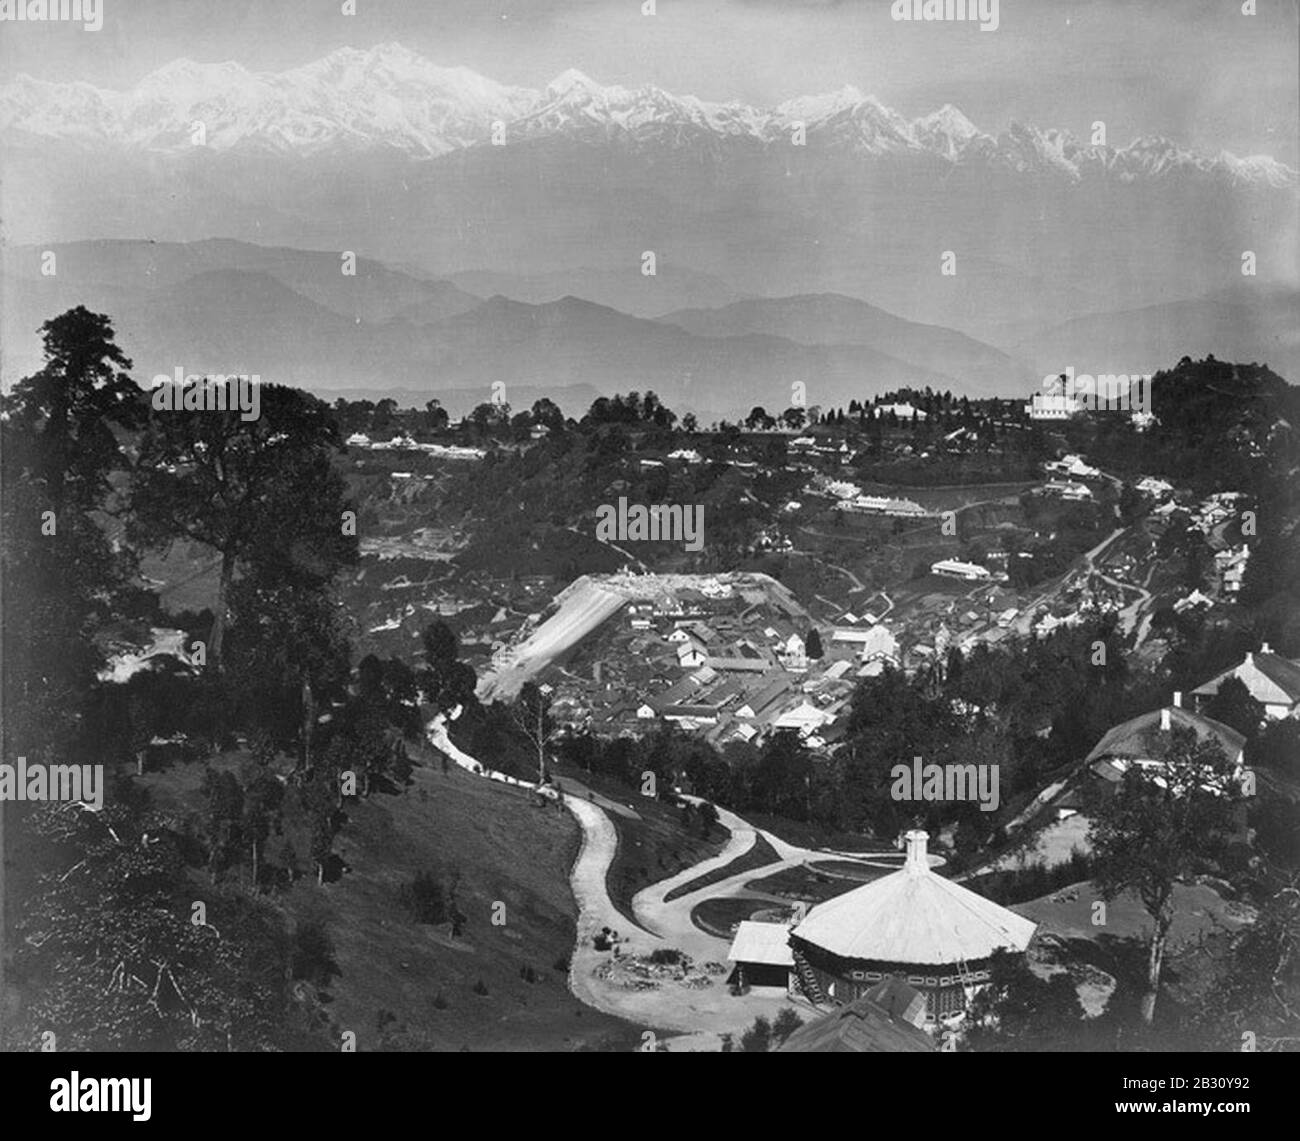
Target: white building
point(686, 455)
point(902, 411)
point(883, 505)
point(804, 717)
point(842, 489)
point(1158, 489)
point(1073, 466)
point(955, 568)
point(1055, 402)
point(1052, 406)
point(879, 645)
point(1070, 492)
point(690, 655)
point(1232, 567)
point(1273, 681)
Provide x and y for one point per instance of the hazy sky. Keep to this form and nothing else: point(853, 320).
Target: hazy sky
point(1198, 71)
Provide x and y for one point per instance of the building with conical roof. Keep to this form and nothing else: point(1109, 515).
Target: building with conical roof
point(934, 934)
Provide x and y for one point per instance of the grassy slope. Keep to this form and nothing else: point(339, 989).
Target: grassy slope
point(508, 850)
point(720, 917)
point(759, 856)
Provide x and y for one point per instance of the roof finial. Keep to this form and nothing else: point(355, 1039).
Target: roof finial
point(916, 861)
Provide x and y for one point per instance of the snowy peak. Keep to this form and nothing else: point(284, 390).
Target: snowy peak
point(949, 120)
point(818, 108)
point(946, 131)
point(388, 97)
point(187, 73)
point(573, 83)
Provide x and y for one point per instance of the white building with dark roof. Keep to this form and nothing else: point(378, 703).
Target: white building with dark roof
point(1273, 681)
point(761, 952)
point(955, 568)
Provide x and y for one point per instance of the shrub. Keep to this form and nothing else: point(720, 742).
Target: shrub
point(787, 1022)
point(480, 988)
point(424, 898)
point(708, 817)
point(758, 1038)
point(666, 956)
point(313, 955)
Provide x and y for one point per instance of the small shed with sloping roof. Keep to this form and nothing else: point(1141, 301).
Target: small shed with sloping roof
point(761, 952)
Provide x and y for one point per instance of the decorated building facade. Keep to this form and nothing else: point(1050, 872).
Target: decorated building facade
point(914, 925)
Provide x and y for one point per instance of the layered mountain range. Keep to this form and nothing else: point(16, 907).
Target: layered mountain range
point(390, 98)
point(291, 316)
point(622, 237)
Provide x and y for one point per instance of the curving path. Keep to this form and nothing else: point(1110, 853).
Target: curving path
point(595, 908)
point(671, 919)
point(701, 1015)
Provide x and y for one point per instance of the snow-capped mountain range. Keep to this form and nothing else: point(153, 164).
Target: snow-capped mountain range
point(390, 98)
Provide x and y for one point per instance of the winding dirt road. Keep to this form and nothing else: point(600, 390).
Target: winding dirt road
point(696, 1017)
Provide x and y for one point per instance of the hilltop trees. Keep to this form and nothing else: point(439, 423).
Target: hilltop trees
point(630, 410)
point(547, 414)
point(445, 680)
point(63, 580)
point(435, 416)
point(65, 413)
point(261, 492)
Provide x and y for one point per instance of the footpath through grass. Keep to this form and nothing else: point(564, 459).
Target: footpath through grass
point(405, 985)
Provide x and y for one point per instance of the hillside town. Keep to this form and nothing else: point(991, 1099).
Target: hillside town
point(765, 667)
point(602, 527)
